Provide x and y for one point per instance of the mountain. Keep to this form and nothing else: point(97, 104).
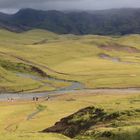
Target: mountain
point(101, 22)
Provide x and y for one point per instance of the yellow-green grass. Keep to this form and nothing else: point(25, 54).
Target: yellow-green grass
point(31, 136)
point(66, 57)
point(14, 123)
point(72, 57)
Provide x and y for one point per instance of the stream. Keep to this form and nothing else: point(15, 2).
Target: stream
point(28, 96)
point(75, 87)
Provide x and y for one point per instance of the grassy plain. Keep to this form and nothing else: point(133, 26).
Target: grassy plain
point(95, 61)
point(16, 122)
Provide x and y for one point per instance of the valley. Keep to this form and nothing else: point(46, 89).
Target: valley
point(95, 62)
point(78, 80)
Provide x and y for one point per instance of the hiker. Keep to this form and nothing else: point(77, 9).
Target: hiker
point(37, 98)
point(33, 98)
point(47, 98)
point(12, 99)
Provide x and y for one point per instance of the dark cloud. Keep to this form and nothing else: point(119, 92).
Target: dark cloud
point(13, 5)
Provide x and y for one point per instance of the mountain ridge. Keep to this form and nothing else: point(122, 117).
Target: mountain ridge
point(100, 22)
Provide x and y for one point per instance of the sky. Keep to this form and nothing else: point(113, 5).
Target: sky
point(11, 6)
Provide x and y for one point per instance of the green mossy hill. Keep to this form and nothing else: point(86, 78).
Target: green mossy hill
point(81, 121)
point(21, 67)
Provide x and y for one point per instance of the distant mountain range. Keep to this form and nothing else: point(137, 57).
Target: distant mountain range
point(103, 22)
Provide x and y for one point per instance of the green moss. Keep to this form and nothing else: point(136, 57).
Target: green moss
point(16, 67)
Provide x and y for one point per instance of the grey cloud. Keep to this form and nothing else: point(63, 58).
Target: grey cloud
point(13, 5)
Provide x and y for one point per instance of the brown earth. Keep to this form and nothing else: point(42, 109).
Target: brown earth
point(118, 47)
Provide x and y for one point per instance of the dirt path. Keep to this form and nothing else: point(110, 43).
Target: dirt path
point(30, 116)
point(14, 126)
point(29, 96)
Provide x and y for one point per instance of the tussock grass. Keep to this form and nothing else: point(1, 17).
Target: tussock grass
point(72, 57)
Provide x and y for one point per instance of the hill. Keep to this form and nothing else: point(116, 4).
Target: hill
point(87, 120)
point(39, 60)
point(104, 22)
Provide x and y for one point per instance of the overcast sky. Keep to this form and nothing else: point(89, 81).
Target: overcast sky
point(11, 6)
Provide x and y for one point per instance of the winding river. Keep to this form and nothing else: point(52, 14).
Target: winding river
point(29, 96)
point(75, 87)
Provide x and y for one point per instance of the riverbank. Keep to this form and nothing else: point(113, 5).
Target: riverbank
point(29, 96)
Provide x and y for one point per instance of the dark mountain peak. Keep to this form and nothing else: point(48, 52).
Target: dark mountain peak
point(101, 22)
point(35, 11)
point(27, 11)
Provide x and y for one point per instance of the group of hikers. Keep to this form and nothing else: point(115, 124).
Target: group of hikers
point(10, 99)
point(37, 99)
point(34, 99)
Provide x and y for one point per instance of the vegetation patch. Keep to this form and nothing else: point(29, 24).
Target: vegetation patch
point(21, 67)
point(81, 121)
